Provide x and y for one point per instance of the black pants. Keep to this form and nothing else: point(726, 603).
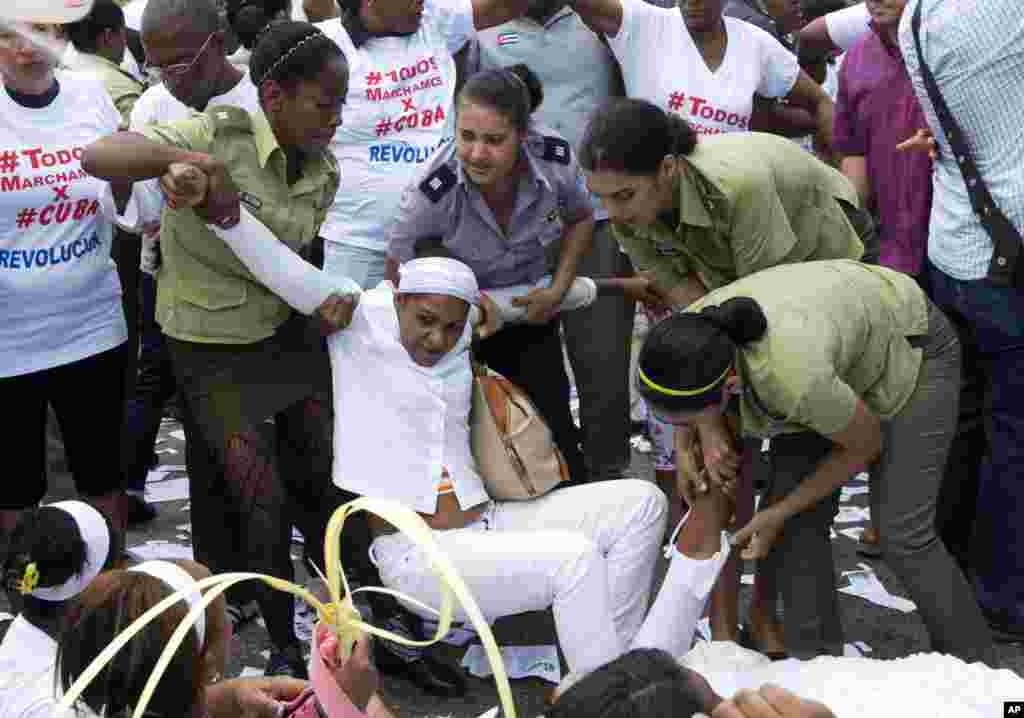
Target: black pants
point(530, 356)
point(598, 339)
point(246, 492)
point(88, 399)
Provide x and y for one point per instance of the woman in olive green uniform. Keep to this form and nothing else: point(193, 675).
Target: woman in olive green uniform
point(857, 355)
point(240, 355)
point(695, 215)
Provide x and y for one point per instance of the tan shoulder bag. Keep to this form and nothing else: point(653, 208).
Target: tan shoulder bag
point(513, 446)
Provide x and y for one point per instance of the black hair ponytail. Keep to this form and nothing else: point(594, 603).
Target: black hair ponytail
point(288, 52)
point(514, 92)
point(251, 18)
point(741, 318)
point(686, 358)
point(633, 137)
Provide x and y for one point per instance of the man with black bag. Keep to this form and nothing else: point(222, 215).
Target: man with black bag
point(967, 68)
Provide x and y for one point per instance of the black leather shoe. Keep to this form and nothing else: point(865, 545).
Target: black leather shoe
point(426, 673)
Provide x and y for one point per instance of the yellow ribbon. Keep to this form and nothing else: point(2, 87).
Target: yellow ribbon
point(339, 614)
point(681, 392)
point(29, 579)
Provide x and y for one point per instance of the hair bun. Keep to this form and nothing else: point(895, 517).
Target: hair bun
point(534, 88)
point(741, 318)
point(249, 22)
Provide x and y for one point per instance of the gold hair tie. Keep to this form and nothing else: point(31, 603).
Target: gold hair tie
point(681, 392)
point(29, 579)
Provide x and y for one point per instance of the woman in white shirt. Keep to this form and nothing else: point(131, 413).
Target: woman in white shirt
point(702, 66)
point(55, 553)
point(63, 334)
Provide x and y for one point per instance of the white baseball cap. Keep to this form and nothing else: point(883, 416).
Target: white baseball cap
point(48, 11)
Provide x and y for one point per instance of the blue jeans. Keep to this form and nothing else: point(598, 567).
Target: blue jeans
point(154, 387)
point(363, 266)
point(991, 324)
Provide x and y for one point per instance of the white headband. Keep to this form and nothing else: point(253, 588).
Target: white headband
point(93, 528)
point(177, 579)
point(439, 275)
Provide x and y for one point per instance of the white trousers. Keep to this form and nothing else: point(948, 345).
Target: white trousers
point(588, 552)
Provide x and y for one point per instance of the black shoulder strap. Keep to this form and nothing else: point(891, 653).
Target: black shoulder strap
point(1006, 239)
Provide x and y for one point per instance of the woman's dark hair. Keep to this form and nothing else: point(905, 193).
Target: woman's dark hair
point(105, 15)
point(514, 92)
point(249, 18)
point(288, 52)
point(644, 682)
point(432, 247)
point(692, 352)
point(813, 9)
point(48, 538)
point(108, 606)
point(633, 137)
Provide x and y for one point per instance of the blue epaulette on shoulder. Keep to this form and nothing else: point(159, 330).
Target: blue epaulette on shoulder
point(438, 183)
point(556, 150)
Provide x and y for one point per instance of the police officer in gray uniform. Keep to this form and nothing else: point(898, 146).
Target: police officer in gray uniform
point(597, 338)
point(504, 196)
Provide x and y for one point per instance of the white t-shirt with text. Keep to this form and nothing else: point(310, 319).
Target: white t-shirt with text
point(661, 64)
point(59, 288)
point(399, 109)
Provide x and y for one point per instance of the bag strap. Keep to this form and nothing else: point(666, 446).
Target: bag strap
point(1006, 239)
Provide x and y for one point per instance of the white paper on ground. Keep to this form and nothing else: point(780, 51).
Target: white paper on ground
point(865, 584)
point(167, 490)
point(852, 514)
point(305, 616)
point(857, 649)
point(747, 578)
point(853, 533)
point(848, 492)
point(152, 550)
point(520, 662)
point(704, 629)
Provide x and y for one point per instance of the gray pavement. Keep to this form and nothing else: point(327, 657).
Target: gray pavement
point(888, 632)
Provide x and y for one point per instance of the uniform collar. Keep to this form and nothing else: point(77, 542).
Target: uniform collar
point(99, 61)
point(264, 137)
point(690, 203)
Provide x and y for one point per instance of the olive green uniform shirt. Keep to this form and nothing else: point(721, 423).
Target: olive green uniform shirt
point(123, 89)
point(204, 293)
point(746, 201)
point(837, 333)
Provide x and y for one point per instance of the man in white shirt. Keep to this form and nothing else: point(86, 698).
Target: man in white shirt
point(974, 52)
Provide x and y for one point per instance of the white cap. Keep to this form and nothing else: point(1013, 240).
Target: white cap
point(46, 11)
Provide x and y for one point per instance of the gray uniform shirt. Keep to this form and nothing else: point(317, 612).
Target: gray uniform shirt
point(444, 203)
point(577, 68)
